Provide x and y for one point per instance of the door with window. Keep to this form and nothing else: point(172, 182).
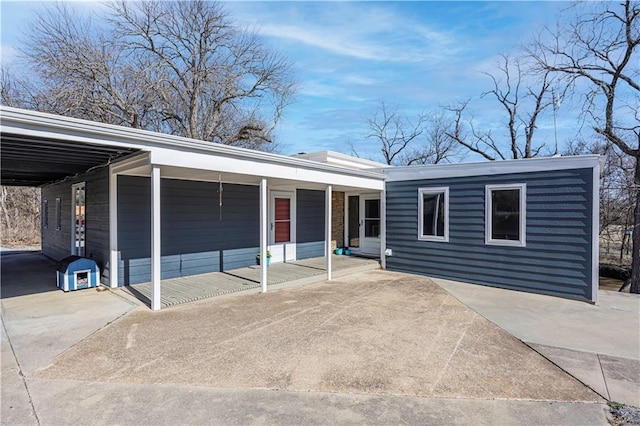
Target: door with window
point(363, 223)
point(78, 217)
point(282, 227)
point(370, 220)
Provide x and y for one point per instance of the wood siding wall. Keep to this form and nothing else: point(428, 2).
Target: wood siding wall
point(558, 252)
point(196, 239)
point(56, 244)
point(309, 223)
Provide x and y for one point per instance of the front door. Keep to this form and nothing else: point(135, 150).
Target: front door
point(78, 216)
point(370, 220)
point(282, 227)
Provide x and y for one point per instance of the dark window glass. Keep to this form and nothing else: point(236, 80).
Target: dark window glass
point(433, 214)
point(45, 214)
point(372, 218)
point(505, 214)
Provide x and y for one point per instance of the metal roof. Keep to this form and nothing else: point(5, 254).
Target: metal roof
point(35, 161)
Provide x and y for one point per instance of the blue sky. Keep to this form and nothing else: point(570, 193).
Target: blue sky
point(349, 56)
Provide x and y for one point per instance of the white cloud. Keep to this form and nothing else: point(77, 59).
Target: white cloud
point(354, 30)
point(8, 54)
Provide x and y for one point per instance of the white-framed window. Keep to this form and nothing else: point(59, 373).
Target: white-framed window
point(45, 214)
point(58, 214)
point(433, 214)
point(505, 214)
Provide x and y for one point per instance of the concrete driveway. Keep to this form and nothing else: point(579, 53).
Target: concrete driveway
point(598, 344)
point(375, 348)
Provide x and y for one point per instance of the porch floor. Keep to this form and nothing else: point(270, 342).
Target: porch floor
point(181, 290)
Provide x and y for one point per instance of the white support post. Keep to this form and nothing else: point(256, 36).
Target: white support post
point(263, 234)
point(155, 238)
point(327, 229)
point(113, 229)
point(383, 228)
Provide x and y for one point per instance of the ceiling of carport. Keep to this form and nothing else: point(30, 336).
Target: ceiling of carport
point(32, 161)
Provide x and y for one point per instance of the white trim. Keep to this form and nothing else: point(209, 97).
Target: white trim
point(74, 248)
point(522, 242)
point(327, 229)
point(345, 227)
point(31, 123)
point(45, 213)
point(156, 255)
point(58, 214)
point(595, 235)
point(367, 242)
point(137, 161)
point(340, 159)
point(113, 229)
point(283, 251)
point(436, 171)
point(433, 191)
point(383, 228)
point(264, 224)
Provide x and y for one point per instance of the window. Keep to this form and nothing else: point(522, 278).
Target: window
point(433, 214)
point(45, 214)
point(282, 220)
point(58, 214)
point(506, 215)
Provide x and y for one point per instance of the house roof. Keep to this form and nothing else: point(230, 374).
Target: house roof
point(42, 148)
point(489, 168)
point(339, 159)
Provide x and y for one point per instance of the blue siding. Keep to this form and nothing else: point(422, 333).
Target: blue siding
point(557, 256)
point(196, 238)
point(308, 250)
point(310, 211)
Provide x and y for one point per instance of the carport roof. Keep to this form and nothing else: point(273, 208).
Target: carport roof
point(35, 161)
point(39, 148)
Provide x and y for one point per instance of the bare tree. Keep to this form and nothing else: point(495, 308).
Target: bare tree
point(524, 97)
point(434, 146)
point(405, 141)
point(176, 67)
point(596, 53)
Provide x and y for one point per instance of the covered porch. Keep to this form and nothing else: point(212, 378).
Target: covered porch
point(176, 291)
point(212, 213)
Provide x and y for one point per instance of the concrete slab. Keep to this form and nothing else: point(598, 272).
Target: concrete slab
point(583, 365)
point(623, 379)
point(30, 319)
point(374, 333)
point(127, 403)
point(591, 342)
point(553, 321)
point(15, 403)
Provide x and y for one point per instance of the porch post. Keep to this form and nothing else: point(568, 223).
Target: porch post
point(327, 229)
point(155, 238)
point(113, 229)
point(383, 228)
point(263, 234)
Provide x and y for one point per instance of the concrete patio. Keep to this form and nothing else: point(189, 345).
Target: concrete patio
point(181, 290)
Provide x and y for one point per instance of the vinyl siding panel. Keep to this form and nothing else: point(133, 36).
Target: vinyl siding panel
point(198, 236)
point(56, 244)
point(310, 212)
point(557, 256)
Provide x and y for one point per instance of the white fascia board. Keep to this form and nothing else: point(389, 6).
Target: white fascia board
point(37, 124)
point(338, 158)
point(268, 169)
point(438, 171)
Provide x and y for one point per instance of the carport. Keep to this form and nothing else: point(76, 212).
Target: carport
point(38, 149)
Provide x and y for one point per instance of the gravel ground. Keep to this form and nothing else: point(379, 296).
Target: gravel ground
point(623, 415)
